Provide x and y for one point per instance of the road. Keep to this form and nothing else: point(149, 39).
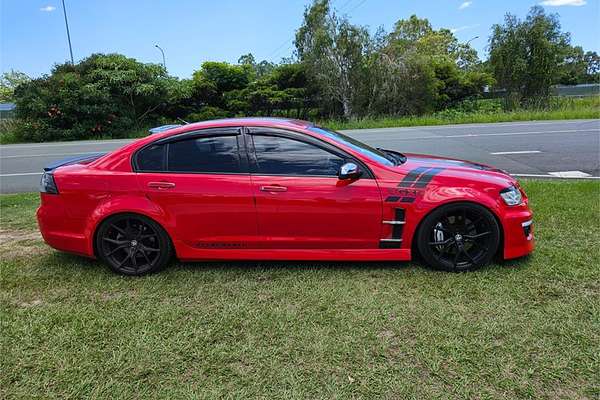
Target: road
point(542, 148)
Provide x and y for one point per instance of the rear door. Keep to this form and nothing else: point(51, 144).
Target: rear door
point(301, 203)
point(201, 182)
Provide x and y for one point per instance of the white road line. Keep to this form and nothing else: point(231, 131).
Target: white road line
point(499, 153)
point(84, 143)
point(570, 174)
point(554, 177)
point(46, 155)
point(21, 174)
point(469, 135)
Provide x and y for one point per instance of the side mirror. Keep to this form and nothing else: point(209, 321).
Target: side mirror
point(349, 171)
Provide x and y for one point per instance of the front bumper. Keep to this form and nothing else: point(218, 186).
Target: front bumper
point(518, 232)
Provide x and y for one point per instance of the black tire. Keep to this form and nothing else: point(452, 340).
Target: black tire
point(132, 244)
point(458, 237)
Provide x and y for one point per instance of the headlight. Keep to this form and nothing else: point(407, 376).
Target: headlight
point(511, 196)
point(47, 184)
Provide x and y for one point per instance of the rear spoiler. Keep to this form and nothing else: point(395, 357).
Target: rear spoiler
point(72, 160)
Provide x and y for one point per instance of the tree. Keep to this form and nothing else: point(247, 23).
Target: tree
point(526, 56)
point(334, 52)
point(8, 82)
point(103, 95)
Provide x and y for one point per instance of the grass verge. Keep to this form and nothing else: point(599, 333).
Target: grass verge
point(585, 108)
point(526, 328)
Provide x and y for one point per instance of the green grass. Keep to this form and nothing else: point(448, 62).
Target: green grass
point(585, 108)
point(527, 328)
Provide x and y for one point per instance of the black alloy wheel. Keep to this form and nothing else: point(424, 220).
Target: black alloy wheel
point(132, 244)
point(459, 237)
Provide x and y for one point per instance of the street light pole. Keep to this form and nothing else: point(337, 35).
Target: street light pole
point(68, 34)
point(163, 56)
point(470, 40)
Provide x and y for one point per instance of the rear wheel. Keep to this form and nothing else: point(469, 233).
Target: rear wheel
point(458, 237)
point(132, 244)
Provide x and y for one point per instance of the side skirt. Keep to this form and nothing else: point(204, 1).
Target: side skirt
point(298, 255)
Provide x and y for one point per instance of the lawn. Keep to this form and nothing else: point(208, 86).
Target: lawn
point(527, 328)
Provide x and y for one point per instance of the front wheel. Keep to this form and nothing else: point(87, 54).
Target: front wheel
point(458, 237)
point(132, 244)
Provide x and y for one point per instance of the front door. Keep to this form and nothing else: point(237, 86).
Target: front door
point(201, 182)
point(301, 203)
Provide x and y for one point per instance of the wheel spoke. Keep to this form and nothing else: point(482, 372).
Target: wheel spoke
point(120, 230)
point(473, 224)
point(123, 261)
point(477, 236)
point(134, 259)
point(113, 251)
point(455, 261)
point(468, 256)
point(114, 241)
point(443, 243)
point(145, 256)
point(150, 249)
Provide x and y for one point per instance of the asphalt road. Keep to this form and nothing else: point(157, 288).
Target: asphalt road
point(541, 148)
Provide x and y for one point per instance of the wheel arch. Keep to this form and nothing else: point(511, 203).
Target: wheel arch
point(414, 248)
point(127, 205)
point(106, 217)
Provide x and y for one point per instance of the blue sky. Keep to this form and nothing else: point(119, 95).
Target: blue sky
point(33, 38)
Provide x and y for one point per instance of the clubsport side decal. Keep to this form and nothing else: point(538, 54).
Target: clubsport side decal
point(417, 178)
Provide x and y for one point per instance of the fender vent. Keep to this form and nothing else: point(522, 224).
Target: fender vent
point(395, 242)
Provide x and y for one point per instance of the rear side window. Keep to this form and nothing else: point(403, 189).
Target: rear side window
point(152, 158)
point(213, 154)
point(277, 155)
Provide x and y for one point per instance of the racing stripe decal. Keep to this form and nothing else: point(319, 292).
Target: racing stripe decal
point(412, 177)
point(425, 178)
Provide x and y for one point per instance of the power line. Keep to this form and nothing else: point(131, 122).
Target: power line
point(281, 48)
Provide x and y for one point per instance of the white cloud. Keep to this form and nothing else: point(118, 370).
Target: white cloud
point(463, 28)
point(558, 3)
point(48, 9)
point(465, 4)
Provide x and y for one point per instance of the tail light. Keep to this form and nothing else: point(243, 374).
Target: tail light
point(47, 184)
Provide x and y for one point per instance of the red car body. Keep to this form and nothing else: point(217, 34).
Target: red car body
point(250, 216)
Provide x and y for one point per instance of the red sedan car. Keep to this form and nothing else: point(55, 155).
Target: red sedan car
point(277, 189)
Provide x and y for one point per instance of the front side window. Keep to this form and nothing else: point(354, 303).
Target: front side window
point(213, 154)
point(283, 156)
point(366, 150)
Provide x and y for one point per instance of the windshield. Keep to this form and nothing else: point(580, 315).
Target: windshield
point(366, 150)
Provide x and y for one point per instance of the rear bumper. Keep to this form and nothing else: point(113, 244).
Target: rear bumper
point(518, 233)
point(59, 231)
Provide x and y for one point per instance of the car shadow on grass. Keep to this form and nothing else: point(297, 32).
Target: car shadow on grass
point(176, 266)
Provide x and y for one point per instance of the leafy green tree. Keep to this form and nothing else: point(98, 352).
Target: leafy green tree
point(526, 56)
point(8, 82)
point(103, 95)
point(334, 52)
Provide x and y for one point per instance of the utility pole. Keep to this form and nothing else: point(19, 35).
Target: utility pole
point(163, 55)
point(68, 34)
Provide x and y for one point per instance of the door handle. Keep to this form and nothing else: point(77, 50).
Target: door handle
point(273, 188)
point(161, 185)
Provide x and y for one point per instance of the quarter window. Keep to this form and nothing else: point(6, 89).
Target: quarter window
point(277, 155)
point(216, 154)
point(151, 158)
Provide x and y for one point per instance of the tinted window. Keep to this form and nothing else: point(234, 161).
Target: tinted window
point(151, 158)
point(205, 154)
point(282, 156)
point(366, 150)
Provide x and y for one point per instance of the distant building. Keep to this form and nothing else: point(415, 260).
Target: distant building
point(7, 110)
